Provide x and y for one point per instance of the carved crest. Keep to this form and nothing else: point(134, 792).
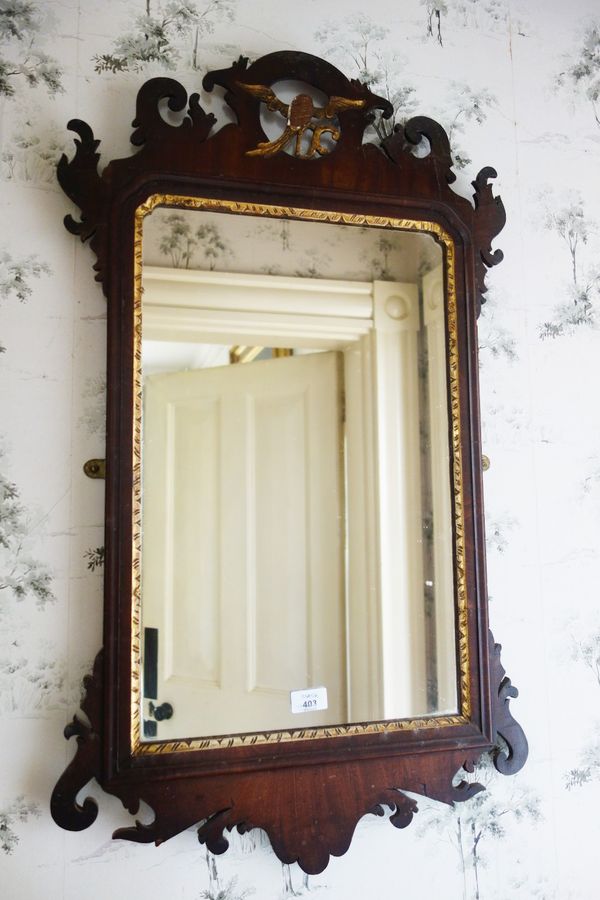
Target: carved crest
point(302, 116)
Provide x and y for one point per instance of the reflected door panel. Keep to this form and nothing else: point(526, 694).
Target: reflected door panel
point(243, 562)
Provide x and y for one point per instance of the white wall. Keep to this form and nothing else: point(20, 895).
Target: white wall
point(492, 80)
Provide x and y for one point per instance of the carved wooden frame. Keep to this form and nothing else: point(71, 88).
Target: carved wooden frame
point(307, 794)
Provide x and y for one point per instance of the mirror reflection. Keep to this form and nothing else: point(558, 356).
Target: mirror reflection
point(297, 524)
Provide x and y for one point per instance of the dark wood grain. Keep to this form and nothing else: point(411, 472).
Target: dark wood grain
point(308, 795)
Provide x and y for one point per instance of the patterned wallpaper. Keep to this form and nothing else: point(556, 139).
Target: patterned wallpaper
point(517, 85)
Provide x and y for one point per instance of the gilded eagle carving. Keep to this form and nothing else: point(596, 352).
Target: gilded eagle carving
point(301, 116)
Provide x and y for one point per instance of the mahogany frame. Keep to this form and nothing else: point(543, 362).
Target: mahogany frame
point(307, 794)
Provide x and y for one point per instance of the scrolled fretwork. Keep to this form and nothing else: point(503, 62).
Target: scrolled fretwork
point(404, 139)
point(64, 808)
point(510, 744)
point(248, 85)
point(489, 220)
point(149, 124)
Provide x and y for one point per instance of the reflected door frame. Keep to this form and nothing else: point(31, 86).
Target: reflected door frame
point(375, 325)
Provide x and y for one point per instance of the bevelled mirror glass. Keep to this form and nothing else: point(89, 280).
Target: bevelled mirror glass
point(296, 492)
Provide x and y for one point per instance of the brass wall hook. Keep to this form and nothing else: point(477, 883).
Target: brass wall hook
point(95, 468)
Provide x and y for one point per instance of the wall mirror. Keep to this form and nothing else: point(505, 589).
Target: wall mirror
point(295, 621)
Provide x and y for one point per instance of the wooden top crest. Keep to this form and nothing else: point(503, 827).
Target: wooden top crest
point(324, 149)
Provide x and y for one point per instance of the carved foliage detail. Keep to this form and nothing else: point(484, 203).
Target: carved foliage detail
point(403, 808)
point(510, 744)
point(150, 125)
point(80, 180)
point(66, 812)
point(488, 221)
point(83, 168)
point(488, 217)
point(405, 139)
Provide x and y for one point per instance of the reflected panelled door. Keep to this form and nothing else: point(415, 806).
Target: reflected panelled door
point(299, 531)
point(243, 539)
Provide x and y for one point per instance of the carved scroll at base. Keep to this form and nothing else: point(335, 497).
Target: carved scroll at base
point(308, 818)
point(66, 812)
point(323, 820)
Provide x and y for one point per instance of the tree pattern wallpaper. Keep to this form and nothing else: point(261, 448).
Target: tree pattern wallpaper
point(516, 83)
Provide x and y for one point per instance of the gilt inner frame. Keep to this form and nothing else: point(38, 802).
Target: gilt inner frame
point(139, 748)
